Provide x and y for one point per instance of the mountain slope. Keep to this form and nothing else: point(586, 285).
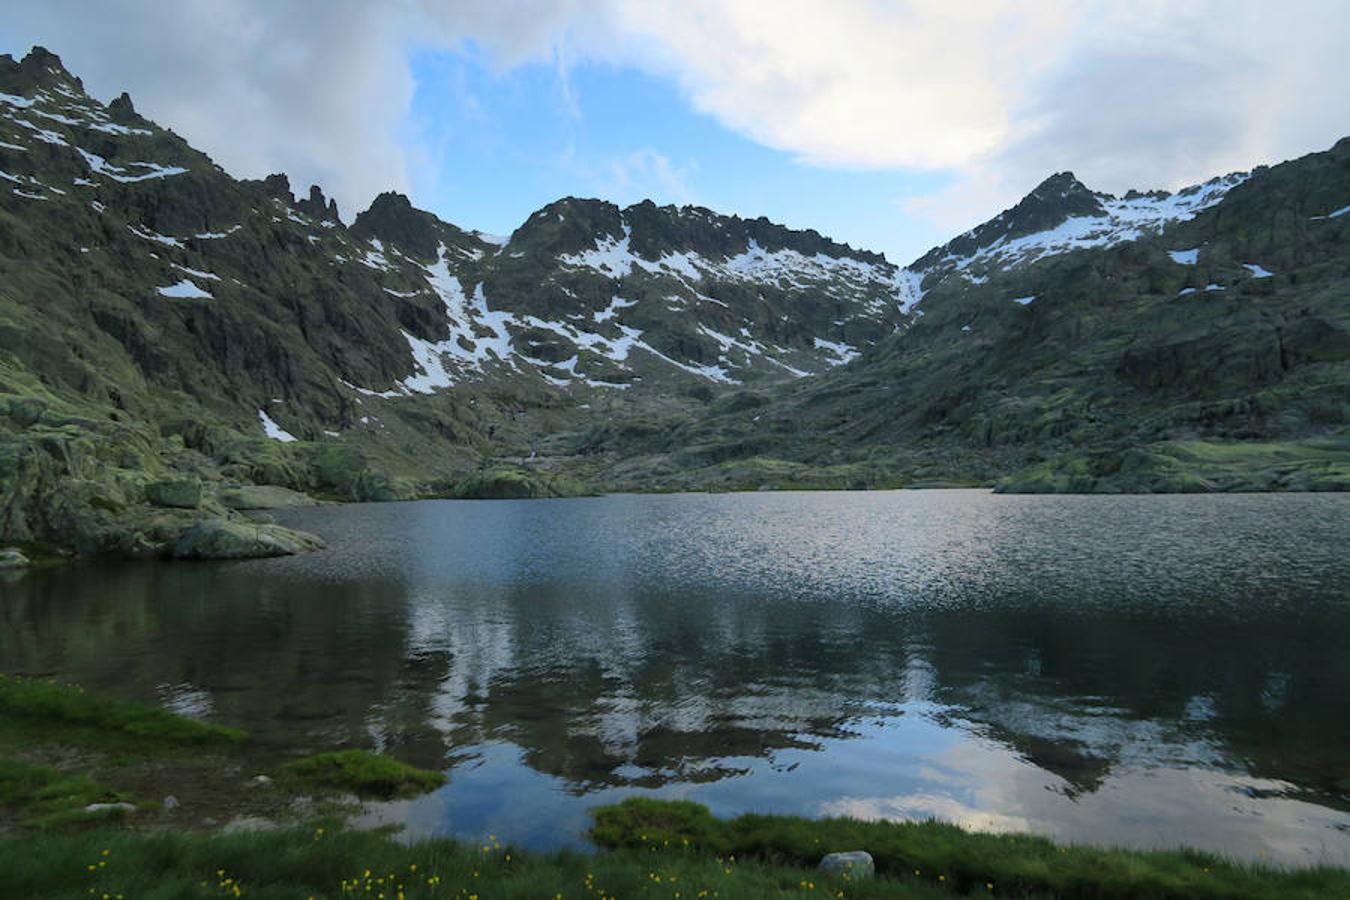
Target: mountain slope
point(1208, 350)
point(160, 320)
point(170, 335)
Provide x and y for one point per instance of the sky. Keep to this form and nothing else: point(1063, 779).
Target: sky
point(889, 125)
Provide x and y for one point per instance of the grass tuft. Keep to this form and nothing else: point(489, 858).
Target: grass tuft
point(365, 774)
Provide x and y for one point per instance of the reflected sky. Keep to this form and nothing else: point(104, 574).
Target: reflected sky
point(1141, 670)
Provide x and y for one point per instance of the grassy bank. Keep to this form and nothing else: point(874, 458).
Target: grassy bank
point(945, 856)
point(777, 860)
point(323, 863)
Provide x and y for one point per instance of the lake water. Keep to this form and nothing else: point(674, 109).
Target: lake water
point(1148, 671)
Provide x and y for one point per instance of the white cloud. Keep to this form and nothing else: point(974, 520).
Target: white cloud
point(853, 82)
point(317, 90)
point(1142, 93)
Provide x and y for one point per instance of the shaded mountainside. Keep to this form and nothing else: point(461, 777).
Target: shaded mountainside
point(170, 334)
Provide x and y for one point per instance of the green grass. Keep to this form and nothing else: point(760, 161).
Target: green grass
point(59, 746)
point(45, 706)
point(298, 863)
point(364, 774)
point(50, 798)
point(932, 852)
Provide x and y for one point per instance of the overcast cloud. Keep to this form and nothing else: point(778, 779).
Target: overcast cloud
point(1127, 93)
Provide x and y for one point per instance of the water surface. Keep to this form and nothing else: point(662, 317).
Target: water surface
point(1137, 670)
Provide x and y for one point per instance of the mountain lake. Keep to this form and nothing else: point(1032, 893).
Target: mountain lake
point(1136, 670)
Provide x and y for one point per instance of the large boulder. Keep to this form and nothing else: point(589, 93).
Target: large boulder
point(224, 539)
point(263, 496)
point(853, 864)
point(183, 493)
point(12, 559)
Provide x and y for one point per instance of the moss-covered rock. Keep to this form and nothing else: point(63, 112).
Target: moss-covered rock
point(516, 484)
point(224, 539)
point(179, 493)
point(263, 496)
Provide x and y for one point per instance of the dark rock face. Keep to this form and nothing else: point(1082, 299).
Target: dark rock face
point(392, 219)
point(276, 186)
point(39, 68)
point(318, 207)
point(121, 109)
point(568, 226)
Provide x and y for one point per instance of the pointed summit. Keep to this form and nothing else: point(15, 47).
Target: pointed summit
point(39, 68)
point(318, 206)
point(570, 225)
point(122, 109)
point(278, 186)
point(392, 218)
point(40, 59)
point(1050, 203)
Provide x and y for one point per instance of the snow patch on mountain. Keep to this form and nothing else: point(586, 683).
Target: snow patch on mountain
point(196, 273)
point(185, 290)
point(142, 232)
point(100, 166)
point(612, 310)
point(464, 347)
point(843, 352)
point(15, 101)
point(273, 430)
point(1126, 219)
point(1333, 215)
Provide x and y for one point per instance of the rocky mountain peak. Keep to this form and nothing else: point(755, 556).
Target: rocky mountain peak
point(321, 208)
point(122, 109)
point(570, 225)
point(278, 186)
point(393, 219)
point(38, 69)
point(1052, 201)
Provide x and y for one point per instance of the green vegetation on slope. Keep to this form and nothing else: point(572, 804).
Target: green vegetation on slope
point(1317, 464)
